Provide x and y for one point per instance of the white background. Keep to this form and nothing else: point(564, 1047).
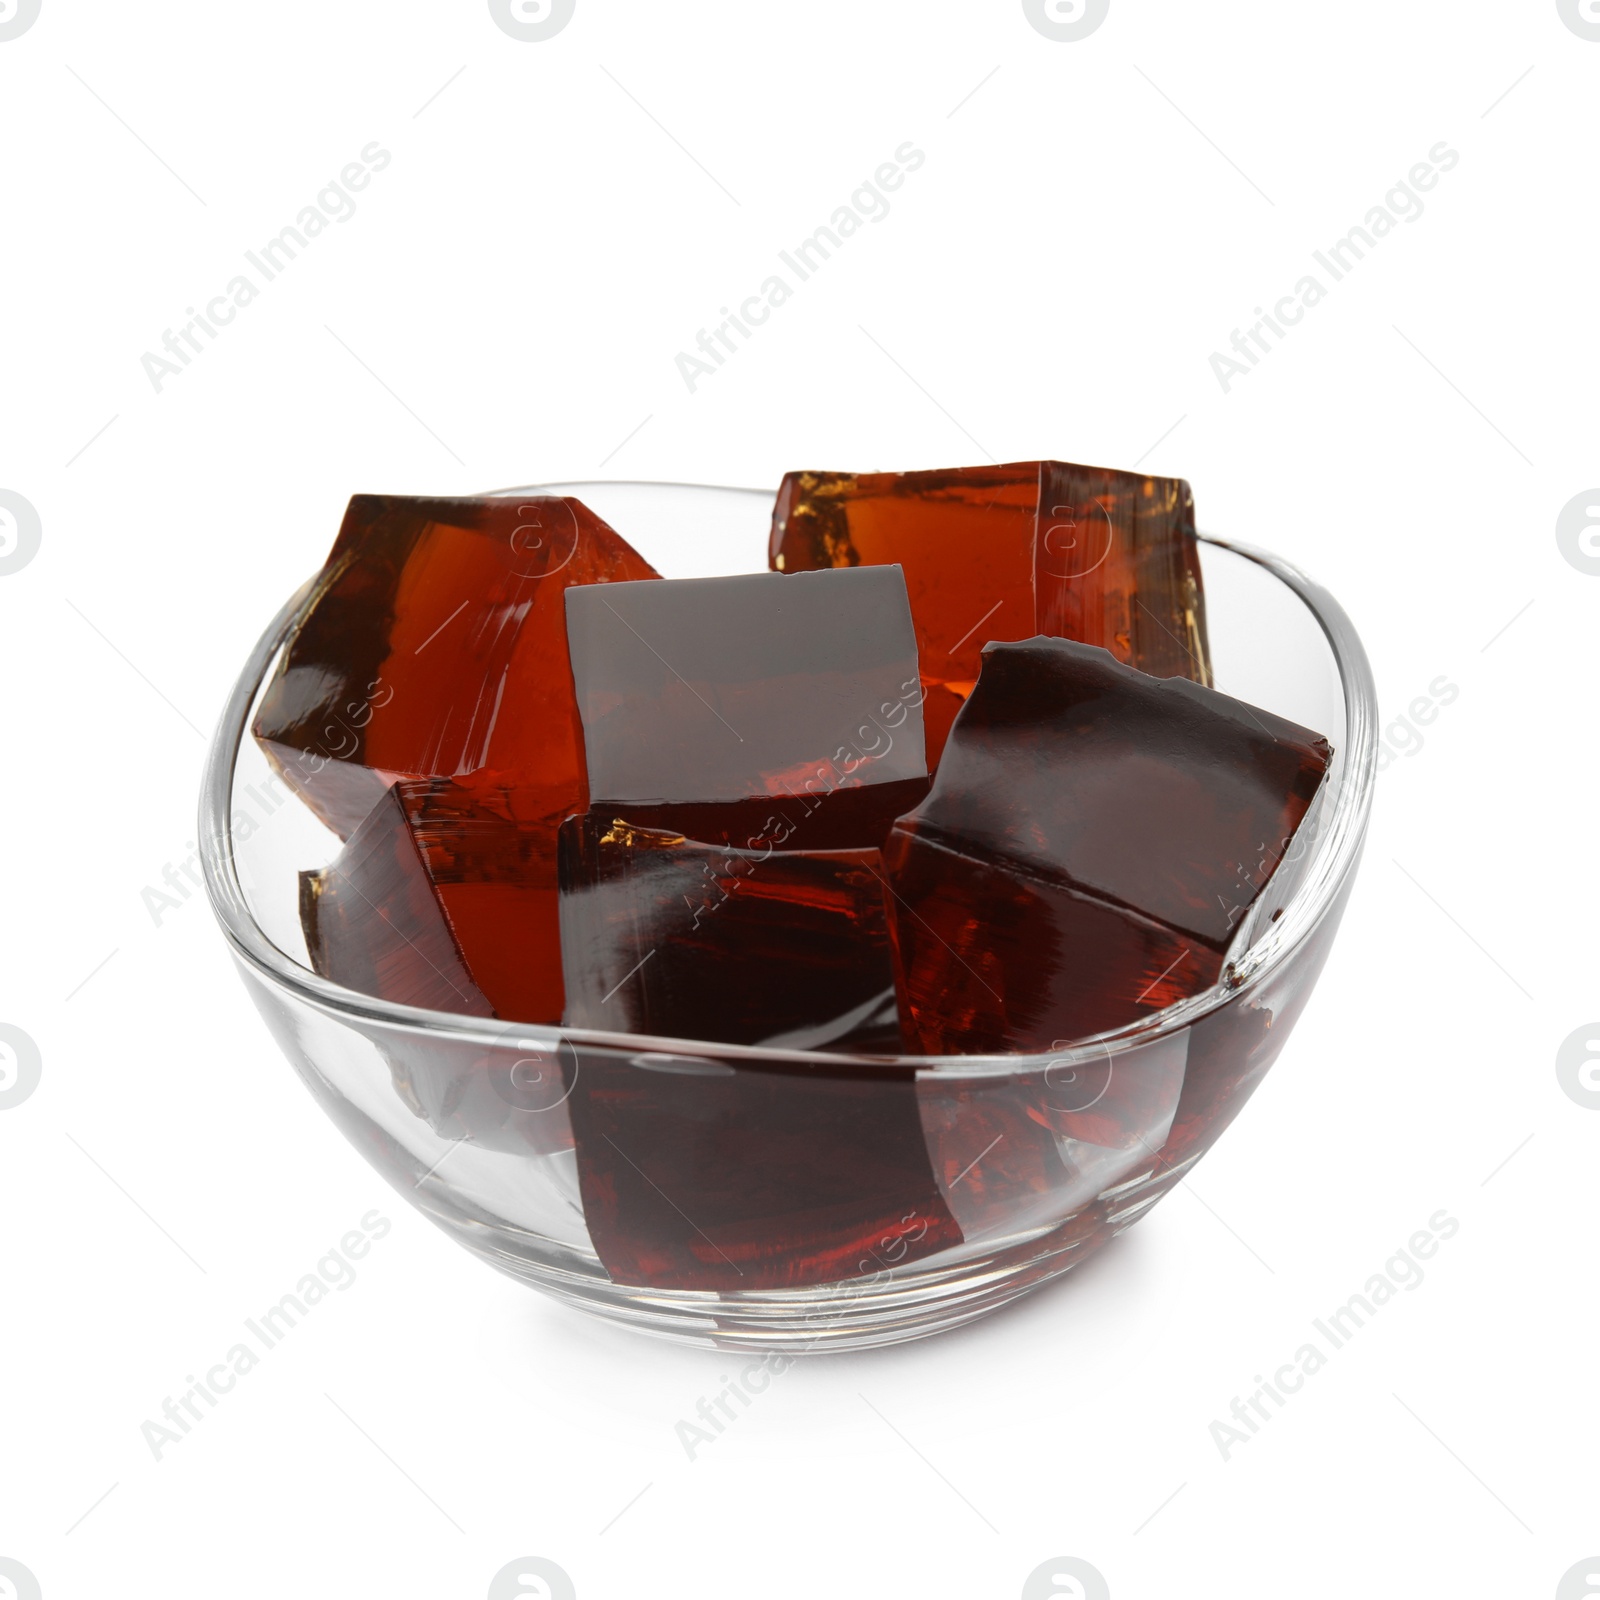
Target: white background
point(557, 222)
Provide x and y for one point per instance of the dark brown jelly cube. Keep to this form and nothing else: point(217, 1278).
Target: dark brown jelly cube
point(435, 647)
point(374, 924)
point(1025, 1150)
point(1091, 843)
point(997, 958)
point(508, 1097)
point(443, 899)
point(1006, 552)
point(675, 937)
point(699, 1174)
point(726, 689)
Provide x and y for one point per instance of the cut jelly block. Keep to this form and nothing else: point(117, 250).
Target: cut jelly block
point(434, 646)
point(725, 689)
point(672, 936)
point(994, 958)
point(1022, 1151)
point(374, 924)
point(509, 1098)
point(1092, 842)
point(1006, 552)
point(700, 1174)
point(439, 901)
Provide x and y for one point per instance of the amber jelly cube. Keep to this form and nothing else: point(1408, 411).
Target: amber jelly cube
point(1007, 552)
point(434, 646)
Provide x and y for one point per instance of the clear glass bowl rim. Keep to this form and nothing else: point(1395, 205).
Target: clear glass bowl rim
point(1334, 856)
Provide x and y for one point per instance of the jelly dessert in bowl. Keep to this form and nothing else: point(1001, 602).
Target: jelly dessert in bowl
point(802, 959)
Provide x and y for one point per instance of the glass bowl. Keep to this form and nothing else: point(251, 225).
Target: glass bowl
point(811, 1201)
